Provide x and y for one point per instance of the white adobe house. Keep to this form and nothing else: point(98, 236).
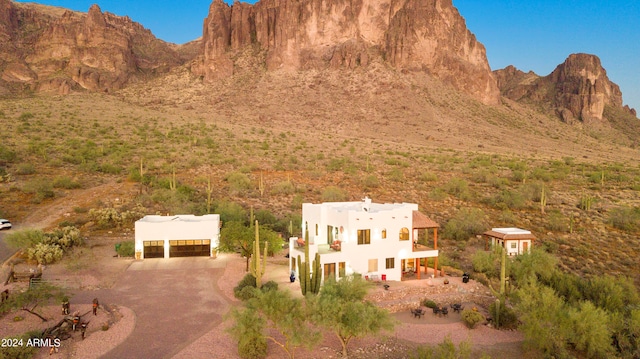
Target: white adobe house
point(390, 241)
point(184, 235)
point(514, 240)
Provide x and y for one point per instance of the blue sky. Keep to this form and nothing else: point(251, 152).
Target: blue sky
point(533, 35)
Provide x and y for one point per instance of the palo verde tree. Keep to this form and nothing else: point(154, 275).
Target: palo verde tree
point(235, 236)
point(340, 307)
point(276, 310)
point(30, 299)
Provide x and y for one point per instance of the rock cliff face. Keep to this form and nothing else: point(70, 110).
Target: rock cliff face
point(410, 35)
point(51, 49)
point(578, 89)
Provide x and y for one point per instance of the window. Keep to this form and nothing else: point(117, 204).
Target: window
point(514, 245)
point(341, 269)
point(364, 236)
point(404, 234)
point(384, 233)
point(329, 271)
point(390, 263)
point(373, 265)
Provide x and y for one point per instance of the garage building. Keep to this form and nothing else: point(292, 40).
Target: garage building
point(184, 235)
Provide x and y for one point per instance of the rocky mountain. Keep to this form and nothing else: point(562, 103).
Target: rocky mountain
point(52, 49)
point(410, 35)
point(577, 90)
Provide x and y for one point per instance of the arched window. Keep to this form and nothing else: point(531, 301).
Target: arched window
point(384, 233)
point(404, 234)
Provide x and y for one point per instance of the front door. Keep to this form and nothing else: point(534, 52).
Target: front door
point(525, 247)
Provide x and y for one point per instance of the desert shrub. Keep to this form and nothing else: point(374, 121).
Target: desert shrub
point(284, 187)
point(41, 189)
point(23, 351)
point(333, 194)
point(459, 188)
point(238, 182)
point(506, 216)
point(371, 181)
point(45, 253)
point(7, 155)
point(503, 316)
point(625, 218)
point(126, 249)
point(486, 262)
point(438, 194)
point(66, 183)
point(114, 217)
point(247, 330)
point(428, 303)
point(110, 168)
point(445, 350)
point(506, 199)
point(248, 281)
point(64, 238)
point(24, 238)
point(270, 285)
point(471, 318)
point(466, 223)
point(230, 212)
point(556, 222)
point(428, 177)
point(25, 169)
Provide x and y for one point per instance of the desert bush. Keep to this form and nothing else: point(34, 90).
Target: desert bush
point(23, 351)
point(45, 253)
point(438, 194)
point(231, 212)
point(371, 181)
point(506, 216)
point(7, 155)
point(270, 285)
point(114, 217)
point(248, 281)
point(238, 182)
point(459, 188)
point(486, 262)
point(24, 238)
point(556, 222)
point(126, 249)
point(471, 318)
point(445, 350)
point(284, 187)
point(503, 316)
point(333, 194)
point(25, 169)
point(625, 218)
point(466, 223)
point(66, 183)
point(64, 238)
point(507, 199)
point(428, 177)
point(40, 188)
point(428, 303)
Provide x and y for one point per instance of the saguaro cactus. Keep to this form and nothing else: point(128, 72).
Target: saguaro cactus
point(316, 277)
point(258, 268)
point(543, 199)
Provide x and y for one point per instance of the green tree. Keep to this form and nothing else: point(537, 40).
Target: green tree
point(537, 263)
point(31, 298)
point(288, 316)
point(341, 308)
point(237, 237)
point(590, 332)
point(248, 332)
point(24, 238)
point(544, 318)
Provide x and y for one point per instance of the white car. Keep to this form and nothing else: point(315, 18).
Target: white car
point(5, 224)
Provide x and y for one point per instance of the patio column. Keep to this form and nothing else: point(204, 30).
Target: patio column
point(435, 246)
point(418, 267)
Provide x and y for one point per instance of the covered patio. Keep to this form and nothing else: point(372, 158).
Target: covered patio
point(425, 246)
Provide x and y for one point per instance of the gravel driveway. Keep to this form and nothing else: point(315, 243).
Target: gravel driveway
point(175, 302)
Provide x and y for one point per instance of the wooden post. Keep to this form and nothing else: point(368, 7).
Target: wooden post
point(418, 267)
